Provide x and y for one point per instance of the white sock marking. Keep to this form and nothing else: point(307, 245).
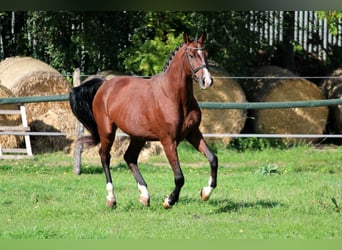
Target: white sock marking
point(143, 191)
point(208, 190)
point(110, 190)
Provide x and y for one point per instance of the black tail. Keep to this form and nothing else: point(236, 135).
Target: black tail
point(81, 100)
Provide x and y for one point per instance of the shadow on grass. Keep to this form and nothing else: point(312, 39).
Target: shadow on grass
point(97, 169)
point(225, 206)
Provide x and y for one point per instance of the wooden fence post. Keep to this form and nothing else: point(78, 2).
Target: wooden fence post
point(78, 148)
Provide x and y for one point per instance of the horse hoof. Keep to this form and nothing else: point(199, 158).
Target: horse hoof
point(166, 204)
point(205, 194)
point(111, 204)
point(144, 201)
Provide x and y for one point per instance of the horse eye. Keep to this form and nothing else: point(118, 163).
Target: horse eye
point(191, 56)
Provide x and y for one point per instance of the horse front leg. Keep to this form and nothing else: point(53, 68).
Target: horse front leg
point(197, 140)
point(170, 149)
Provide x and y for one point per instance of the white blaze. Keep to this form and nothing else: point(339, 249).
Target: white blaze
point(206, 74)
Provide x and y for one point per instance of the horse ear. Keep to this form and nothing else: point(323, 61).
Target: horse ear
point(185, 38)
point(202, 38)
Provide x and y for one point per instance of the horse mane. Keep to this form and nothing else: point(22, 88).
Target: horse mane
point(171, 57)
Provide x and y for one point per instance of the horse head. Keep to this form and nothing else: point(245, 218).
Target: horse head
point(197, 60)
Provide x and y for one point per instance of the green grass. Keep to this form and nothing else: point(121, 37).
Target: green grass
point(272, 194)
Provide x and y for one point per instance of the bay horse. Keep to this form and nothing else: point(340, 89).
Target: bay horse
point(162, 108)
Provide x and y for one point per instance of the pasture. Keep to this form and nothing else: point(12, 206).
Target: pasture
point(293, 193)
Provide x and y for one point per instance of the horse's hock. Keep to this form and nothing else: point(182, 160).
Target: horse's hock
point(26, 76)
point(224, 89)
point(332, 89)
point(274, 84)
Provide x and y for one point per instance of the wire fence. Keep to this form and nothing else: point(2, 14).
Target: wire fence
point(203, 105)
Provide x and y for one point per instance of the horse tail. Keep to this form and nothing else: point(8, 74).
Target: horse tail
point(81, 100)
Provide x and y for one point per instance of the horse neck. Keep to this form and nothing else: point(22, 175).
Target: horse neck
point(179, 81)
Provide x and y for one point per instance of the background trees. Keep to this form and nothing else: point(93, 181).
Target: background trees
point(140, 42)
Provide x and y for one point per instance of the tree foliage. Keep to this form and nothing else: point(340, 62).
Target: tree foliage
point(333, 18)
point(153, 41)
point(140, 42)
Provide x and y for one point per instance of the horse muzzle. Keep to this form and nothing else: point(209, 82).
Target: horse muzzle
point(205, 81)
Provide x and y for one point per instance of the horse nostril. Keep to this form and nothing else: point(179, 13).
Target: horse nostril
point(209, 82)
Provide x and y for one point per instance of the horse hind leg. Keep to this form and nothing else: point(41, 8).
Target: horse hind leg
point(105, 160)
point(131, 158)
point(107, 140)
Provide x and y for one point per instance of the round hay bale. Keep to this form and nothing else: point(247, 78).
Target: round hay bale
point(105, 74)
point(9, 141)
point(224, 89)
point(108, 74)
point(26, 76)
point(332, 89)
point(54, 120)
point(285, 121)
point(4, 93)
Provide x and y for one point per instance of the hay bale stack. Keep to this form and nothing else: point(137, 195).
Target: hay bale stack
point(9, 141)
point(105, 74)
point(54, 120)
point(223, 90)
point(26, 76)
point(4, 93)
point(108, 74)
point(285, 121)
point(332, 89)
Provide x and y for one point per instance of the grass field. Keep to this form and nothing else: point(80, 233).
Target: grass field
point(291, 193)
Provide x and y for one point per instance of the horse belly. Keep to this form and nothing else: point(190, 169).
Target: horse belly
point(134, 123)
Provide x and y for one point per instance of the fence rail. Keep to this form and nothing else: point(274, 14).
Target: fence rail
point(204, 105)
point(30, 99)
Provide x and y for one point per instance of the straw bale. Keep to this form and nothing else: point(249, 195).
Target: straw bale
point(9, 141)
point(105, 74)
point(4, 93)
point(54, 120)
point(224, 89)
point(332, 89)
point(26, 76)
point(285, 121)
